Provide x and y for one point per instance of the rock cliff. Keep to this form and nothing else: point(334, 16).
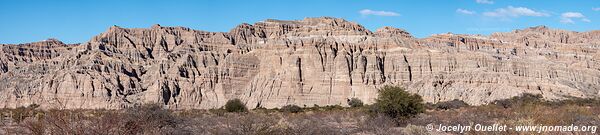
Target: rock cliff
point(315, 61)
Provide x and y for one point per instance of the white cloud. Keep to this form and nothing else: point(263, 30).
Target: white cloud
point(366, 12)
point(567, 17)
point(572, 15)
point(464, 11)
point(515, 12)
point(567, 21)
point(586, 20)
point(596, 9)
point(484, 1)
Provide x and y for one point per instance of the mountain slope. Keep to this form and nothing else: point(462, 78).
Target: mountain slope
point(315, 61)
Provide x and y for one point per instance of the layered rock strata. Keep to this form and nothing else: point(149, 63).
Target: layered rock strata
point(315, 61)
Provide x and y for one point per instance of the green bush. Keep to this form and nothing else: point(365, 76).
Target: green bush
point(291, 109)
point(235, 105)
point(355, 102)
point(397, 103)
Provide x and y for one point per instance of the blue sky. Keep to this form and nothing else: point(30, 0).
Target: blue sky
point(74, 21)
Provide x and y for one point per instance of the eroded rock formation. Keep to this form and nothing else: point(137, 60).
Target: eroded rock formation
point(315, 61)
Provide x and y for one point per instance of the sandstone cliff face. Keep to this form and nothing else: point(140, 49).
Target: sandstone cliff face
point(315, 61)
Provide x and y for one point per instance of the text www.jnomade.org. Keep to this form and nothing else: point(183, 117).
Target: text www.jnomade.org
point(504, 128)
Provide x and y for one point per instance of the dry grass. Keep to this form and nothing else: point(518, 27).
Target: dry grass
point(514, 112)
point(152, 119)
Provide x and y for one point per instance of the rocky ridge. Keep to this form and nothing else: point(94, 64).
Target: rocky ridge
point(315, 61)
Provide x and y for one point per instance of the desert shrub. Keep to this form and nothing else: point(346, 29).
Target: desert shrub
point(378, 124)
point(332, 107)
point(324, 108)
point(568, 113)
point(218, 112)
point(235, 105)
point(453, 104)
point(430, 106)
point(34, 127)
point(20, 113)
point(519, 101)
point(355, 102)
point(62, 122)
point(291, 109)
point(397, 103)
point(577, 101)
point(73, 122)
point(415, 130)
point(255, 124)
point(316, 124)
point(266, 110)
point(150, 118)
